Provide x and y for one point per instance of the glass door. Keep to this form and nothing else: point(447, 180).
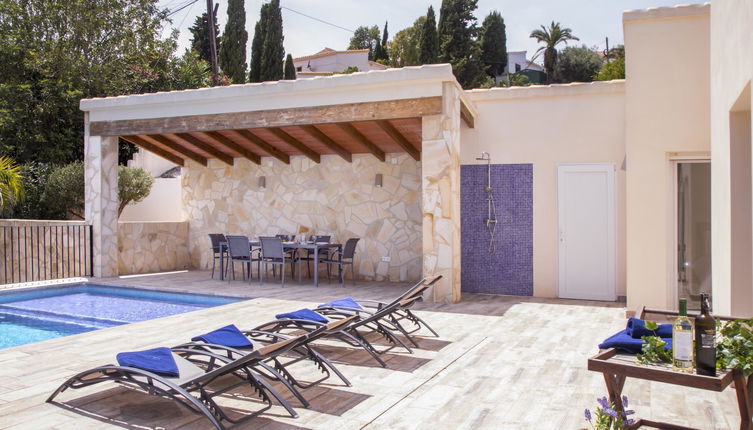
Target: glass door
point(693, 230)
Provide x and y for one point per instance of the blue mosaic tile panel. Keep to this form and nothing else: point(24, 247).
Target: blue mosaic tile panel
point(509, 269)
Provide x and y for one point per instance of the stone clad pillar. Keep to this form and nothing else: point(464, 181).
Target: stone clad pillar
point(440, 181)
point(101, 200)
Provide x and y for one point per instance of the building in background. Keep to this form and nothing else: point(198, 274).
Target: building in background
point(328, 61)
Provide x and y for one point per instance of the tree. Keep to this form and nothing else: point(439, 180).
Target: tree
point(458, 44)
point(404, 48)
point(289, 68)
point(577, 64)
point(612, 70)
point(11, 185)
point(257, 45)
point(494, 44)
point(428, 41)
point(55, 52)
point(232, 51)
point(65, 188)
point(134, 184)
point(551, 37)
point(381, 53)
point(273, 53)
point(365, 38)
point(200, 36)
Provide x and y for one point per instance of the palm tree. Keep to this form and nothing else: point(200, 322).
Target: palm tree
point(11, 187)
point(551, 37)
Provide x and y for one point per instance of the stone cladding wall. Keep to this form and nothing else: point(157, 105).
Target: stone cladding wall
point(149, 247)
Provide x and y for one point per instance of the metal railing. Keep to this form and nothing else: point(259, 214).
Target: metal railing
point(38, 251)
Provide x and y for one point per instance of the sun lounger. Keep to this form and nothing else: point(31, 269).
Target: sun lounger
point(196, 369)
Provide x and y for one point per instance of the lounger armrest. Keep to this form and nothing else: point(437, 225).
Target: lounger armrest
point(255, 333)
point(342, 310)
point(207, 349)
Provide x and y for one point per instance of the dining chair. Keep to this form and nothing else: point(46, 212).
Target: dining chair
point(272, 252)
point(217, 239)
point(323, 253)
point(343, 258)
point(239, 250)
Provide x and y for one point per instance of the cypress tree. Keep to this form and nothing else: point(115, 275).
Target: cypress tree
point(232, 51)
point(428, 43)
point(273, 52)
point(289, 68)
point(200, 39)
point(257, 45)
point(381, 52)
point(494, 44)
point(458, 44)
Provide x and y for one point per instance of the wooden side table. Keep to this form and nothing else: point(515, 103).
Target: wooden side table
point(617, 367)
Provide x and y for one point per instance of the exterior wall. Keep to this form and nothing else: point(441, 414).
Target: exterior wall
point(151, 162)
point(334, 197)
point(149, 247)
point(519, 57)
point(336, 62)
point(164, 203)
point(667, 114)
point(544, 126)
point(731, 72)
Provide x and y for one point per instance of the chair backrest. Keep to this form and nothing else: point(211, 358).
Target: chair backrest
point(238, 246)
point(410, 297)
point(271, 247)
point(319, 238)
point(350, 248)
point(216, 239)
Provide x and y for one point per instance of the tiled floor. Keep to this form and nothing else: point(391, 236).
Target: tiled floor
point(501, 362)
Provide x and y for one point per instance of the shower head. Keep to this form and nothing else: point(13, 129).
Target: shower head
point(484, 157)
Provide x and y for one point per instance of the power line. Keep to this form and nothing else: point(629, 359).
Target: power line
point(189, 3)
point(317, 19)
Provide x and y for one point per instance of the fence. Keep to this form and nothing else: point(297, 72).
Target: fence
point(42, 250)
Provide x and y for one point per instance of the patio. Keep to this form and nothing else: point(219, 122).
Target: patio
point(495, 366)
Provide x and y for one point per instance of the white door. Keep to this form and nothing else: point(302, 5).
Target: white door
point(586, 218)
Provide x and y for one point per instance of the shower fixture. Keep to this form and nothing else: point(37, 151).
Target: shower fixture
point(491, 214)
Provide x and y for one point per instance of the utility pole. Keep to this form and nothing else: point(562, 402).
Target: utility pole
point(212, 41)
point(606, 51)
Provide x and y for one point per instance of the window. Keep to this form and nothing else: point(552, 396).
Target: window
point(517, 67)
point(299, 69)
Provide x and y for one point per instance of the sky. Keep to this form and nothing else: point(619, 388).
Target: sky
point(592, 21)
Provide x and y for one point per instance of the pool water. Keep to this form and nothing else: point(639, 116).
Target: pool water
point(47, 313)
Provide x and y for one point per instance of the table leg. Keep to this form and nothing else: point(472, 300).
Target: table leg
point(743, 386)
point(222, 263)
point(299, 265)
point(614, 388)
point(316, 266)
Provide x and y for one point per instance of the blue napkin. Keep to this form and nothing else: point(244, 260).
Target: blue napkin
point(157, 360)
point(637, 329)
point(624, 341)
point(226, 336)
point(303, 314)
point(347, 302)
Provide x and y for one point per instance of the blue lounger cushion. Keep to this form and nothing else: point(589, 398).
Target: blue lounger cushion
point(624, 341)
point(157, 360)
point(303, 314)
point(637, 329)
point(346, 302)
point(228, 336)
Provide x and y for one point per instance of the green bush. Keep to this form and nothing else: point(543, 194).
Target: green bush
point(134, 185)
point(35, 176)
point(612, 70)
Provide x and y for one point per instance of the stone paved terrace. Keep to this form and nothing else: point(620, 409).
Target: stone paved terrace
point(501, 362)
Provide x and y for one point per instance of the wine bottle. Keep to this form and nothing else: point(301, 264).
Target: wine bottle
point(682, 341)
point(705, 340)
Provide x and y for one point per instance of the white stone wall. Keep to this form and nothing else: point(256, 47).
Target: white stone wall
point(334, 197)
point(150, 247)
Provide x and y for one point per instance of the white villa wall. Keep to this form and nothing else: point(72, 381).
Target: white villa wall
point(547, 125)
point(335, 62)
point(731, 72)
point(667, 114)
point(164, 203)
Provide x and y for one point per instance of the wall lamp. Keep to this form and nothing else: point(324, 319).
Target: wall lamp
point(378, 180)
point(262, 182)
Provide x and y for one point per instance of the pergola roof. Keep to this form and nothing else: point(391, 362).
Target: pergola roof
point(375, 112)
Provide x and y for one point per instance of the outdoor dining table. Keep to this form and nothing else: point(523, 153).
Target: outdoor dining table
point(313, 246)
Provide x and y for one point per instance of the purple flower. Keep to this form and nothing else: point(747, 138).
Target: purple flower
point(588, 415)
point(603, 403)
point(611, 412)
point(629, 412)
point(630, 422)
point(624, 401)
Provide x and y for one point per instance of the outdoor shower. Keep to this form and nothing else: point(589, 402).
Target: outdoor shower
point(491, 214)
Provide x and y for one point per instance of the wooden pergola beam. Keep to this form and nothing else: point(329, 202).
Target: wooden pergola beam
point(155, 149)
point(193, 140)
point(329, 143)
point(177, 147)
point(363, 140)
point(390, 129)
point(221, 140)
point(466, 115)
point(264, 146)
point(367, 111)
point(295, 143)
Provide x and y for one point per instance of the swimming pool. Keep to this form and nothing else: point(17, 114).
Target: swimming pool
point(46, 313)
